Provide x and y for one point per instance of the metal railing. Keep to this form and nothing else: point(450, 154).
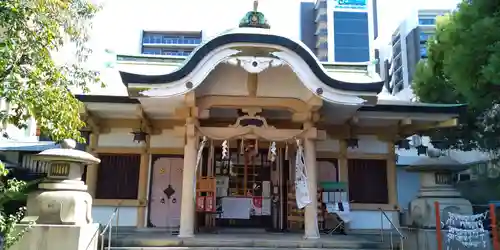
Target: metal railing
point(108, 228)
point(401, 235)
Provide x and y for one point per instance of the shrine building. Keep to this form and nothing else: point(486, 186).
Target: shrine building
point(218, 140)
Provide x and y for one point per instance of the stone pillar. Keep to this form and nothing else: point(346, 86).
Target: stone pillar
point(188, 181)
point(311, 230)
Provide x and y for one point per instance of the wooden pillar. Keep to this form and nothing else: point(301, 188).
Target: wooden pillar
point(342, 161)
point(143, 182)
point(311, 230)
point(188, 181)
point(91, 177)
point(391, 174)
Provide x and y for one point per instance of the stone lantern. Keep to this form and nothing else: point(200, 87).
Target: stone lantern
point(436, 184)
point(61, 208)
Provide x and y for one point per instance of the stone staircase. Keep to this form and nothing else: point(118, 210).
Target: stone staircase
point(157, 239)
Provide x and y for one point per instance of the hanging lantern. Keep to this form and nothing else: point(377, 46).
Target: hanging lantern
point(352, 142)
point(439, 144)
point(403, 144)
point(86, 135)
point(139, 136)
point(421, 149)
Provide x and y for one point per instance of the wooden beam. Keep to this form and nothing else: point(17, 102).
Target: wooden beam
point(191, 130)
point(346, 131)
point(252, 84)
point(117, 203)
point(391, 174)
point(238, 102)
point(92, 170)
point(335, 131)
point(190, 99)
point(90, 120)
point(414, 128)
point(143, 182)
point(302, 117)
point(314, 102)
point(146, 124)
point(343, 168)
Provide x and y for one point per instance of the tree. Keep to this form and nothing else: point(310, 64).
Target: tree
point(10, 190)
point(463, 66)
point(32, 82)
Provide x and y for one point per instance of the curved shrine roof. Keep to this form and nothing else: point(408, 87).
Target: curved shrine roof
point(254, 36)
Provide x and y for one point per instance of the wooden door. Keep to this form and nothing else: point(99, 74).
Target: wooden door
point(166, 192)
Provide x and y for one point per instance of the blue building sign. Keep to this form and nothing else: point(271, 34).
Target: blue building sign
point(351, 4)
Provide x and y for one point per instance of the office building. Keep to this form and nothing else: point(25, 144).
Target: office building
point(344, 30)
point(408, 47)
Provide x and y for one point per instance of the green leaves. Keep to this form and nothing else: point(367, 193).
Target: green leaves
point(11, 190)
point(34, 85)
point(464, 67)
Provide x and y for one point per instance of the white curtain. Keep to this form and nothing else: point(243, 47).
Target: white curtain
point(301, 188)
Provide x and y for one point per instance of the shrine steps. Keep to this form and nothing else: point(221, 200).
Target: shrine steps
point(229, 248)
point(162, 240)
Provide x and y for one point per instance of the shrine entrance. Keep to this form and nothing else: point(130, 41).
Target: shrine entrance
point(244, 185)
point(250, 175)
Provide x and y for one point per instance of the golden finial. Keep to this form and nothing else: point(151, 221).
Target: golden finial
point(255, 5)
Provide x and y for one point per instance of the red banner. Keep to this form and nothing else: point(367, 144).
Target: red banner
point(200, 203)
point(210, 203)
point(257, 202)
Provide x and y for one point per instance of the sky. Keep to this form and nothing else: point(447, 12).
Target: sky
point(393, 12)
point(119, 25)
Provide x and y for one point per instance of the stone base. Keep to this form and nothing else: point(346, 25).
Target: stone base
point(418, 239)
point(59, 237)
point(423, 213)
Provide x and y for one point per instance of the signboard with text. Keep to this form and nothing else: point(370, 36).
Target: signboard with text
point(351, 4)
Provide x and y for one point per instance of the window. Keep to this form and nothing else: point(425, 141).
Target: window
point(396, 50)
point(424, 37)
point(396, 39)
point(368, 181)
point(427, 21)
point(118, 176)
point(423, 52)
point(351, 36)
point(152, 38)
point(398, 75)
point(170, 44)
point(323, 58)
point(322, 32)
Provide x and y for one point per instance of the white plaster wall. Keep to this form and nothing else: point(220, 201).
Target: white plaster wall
point(146, 68)
point(328, 145)
point(127, 215)
point(232, 80)
point(118, 137)
point(369, 145)
point(408, 185)
point(167, 139)
point(281, 82)
point(372, 220)
point(225, 79)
